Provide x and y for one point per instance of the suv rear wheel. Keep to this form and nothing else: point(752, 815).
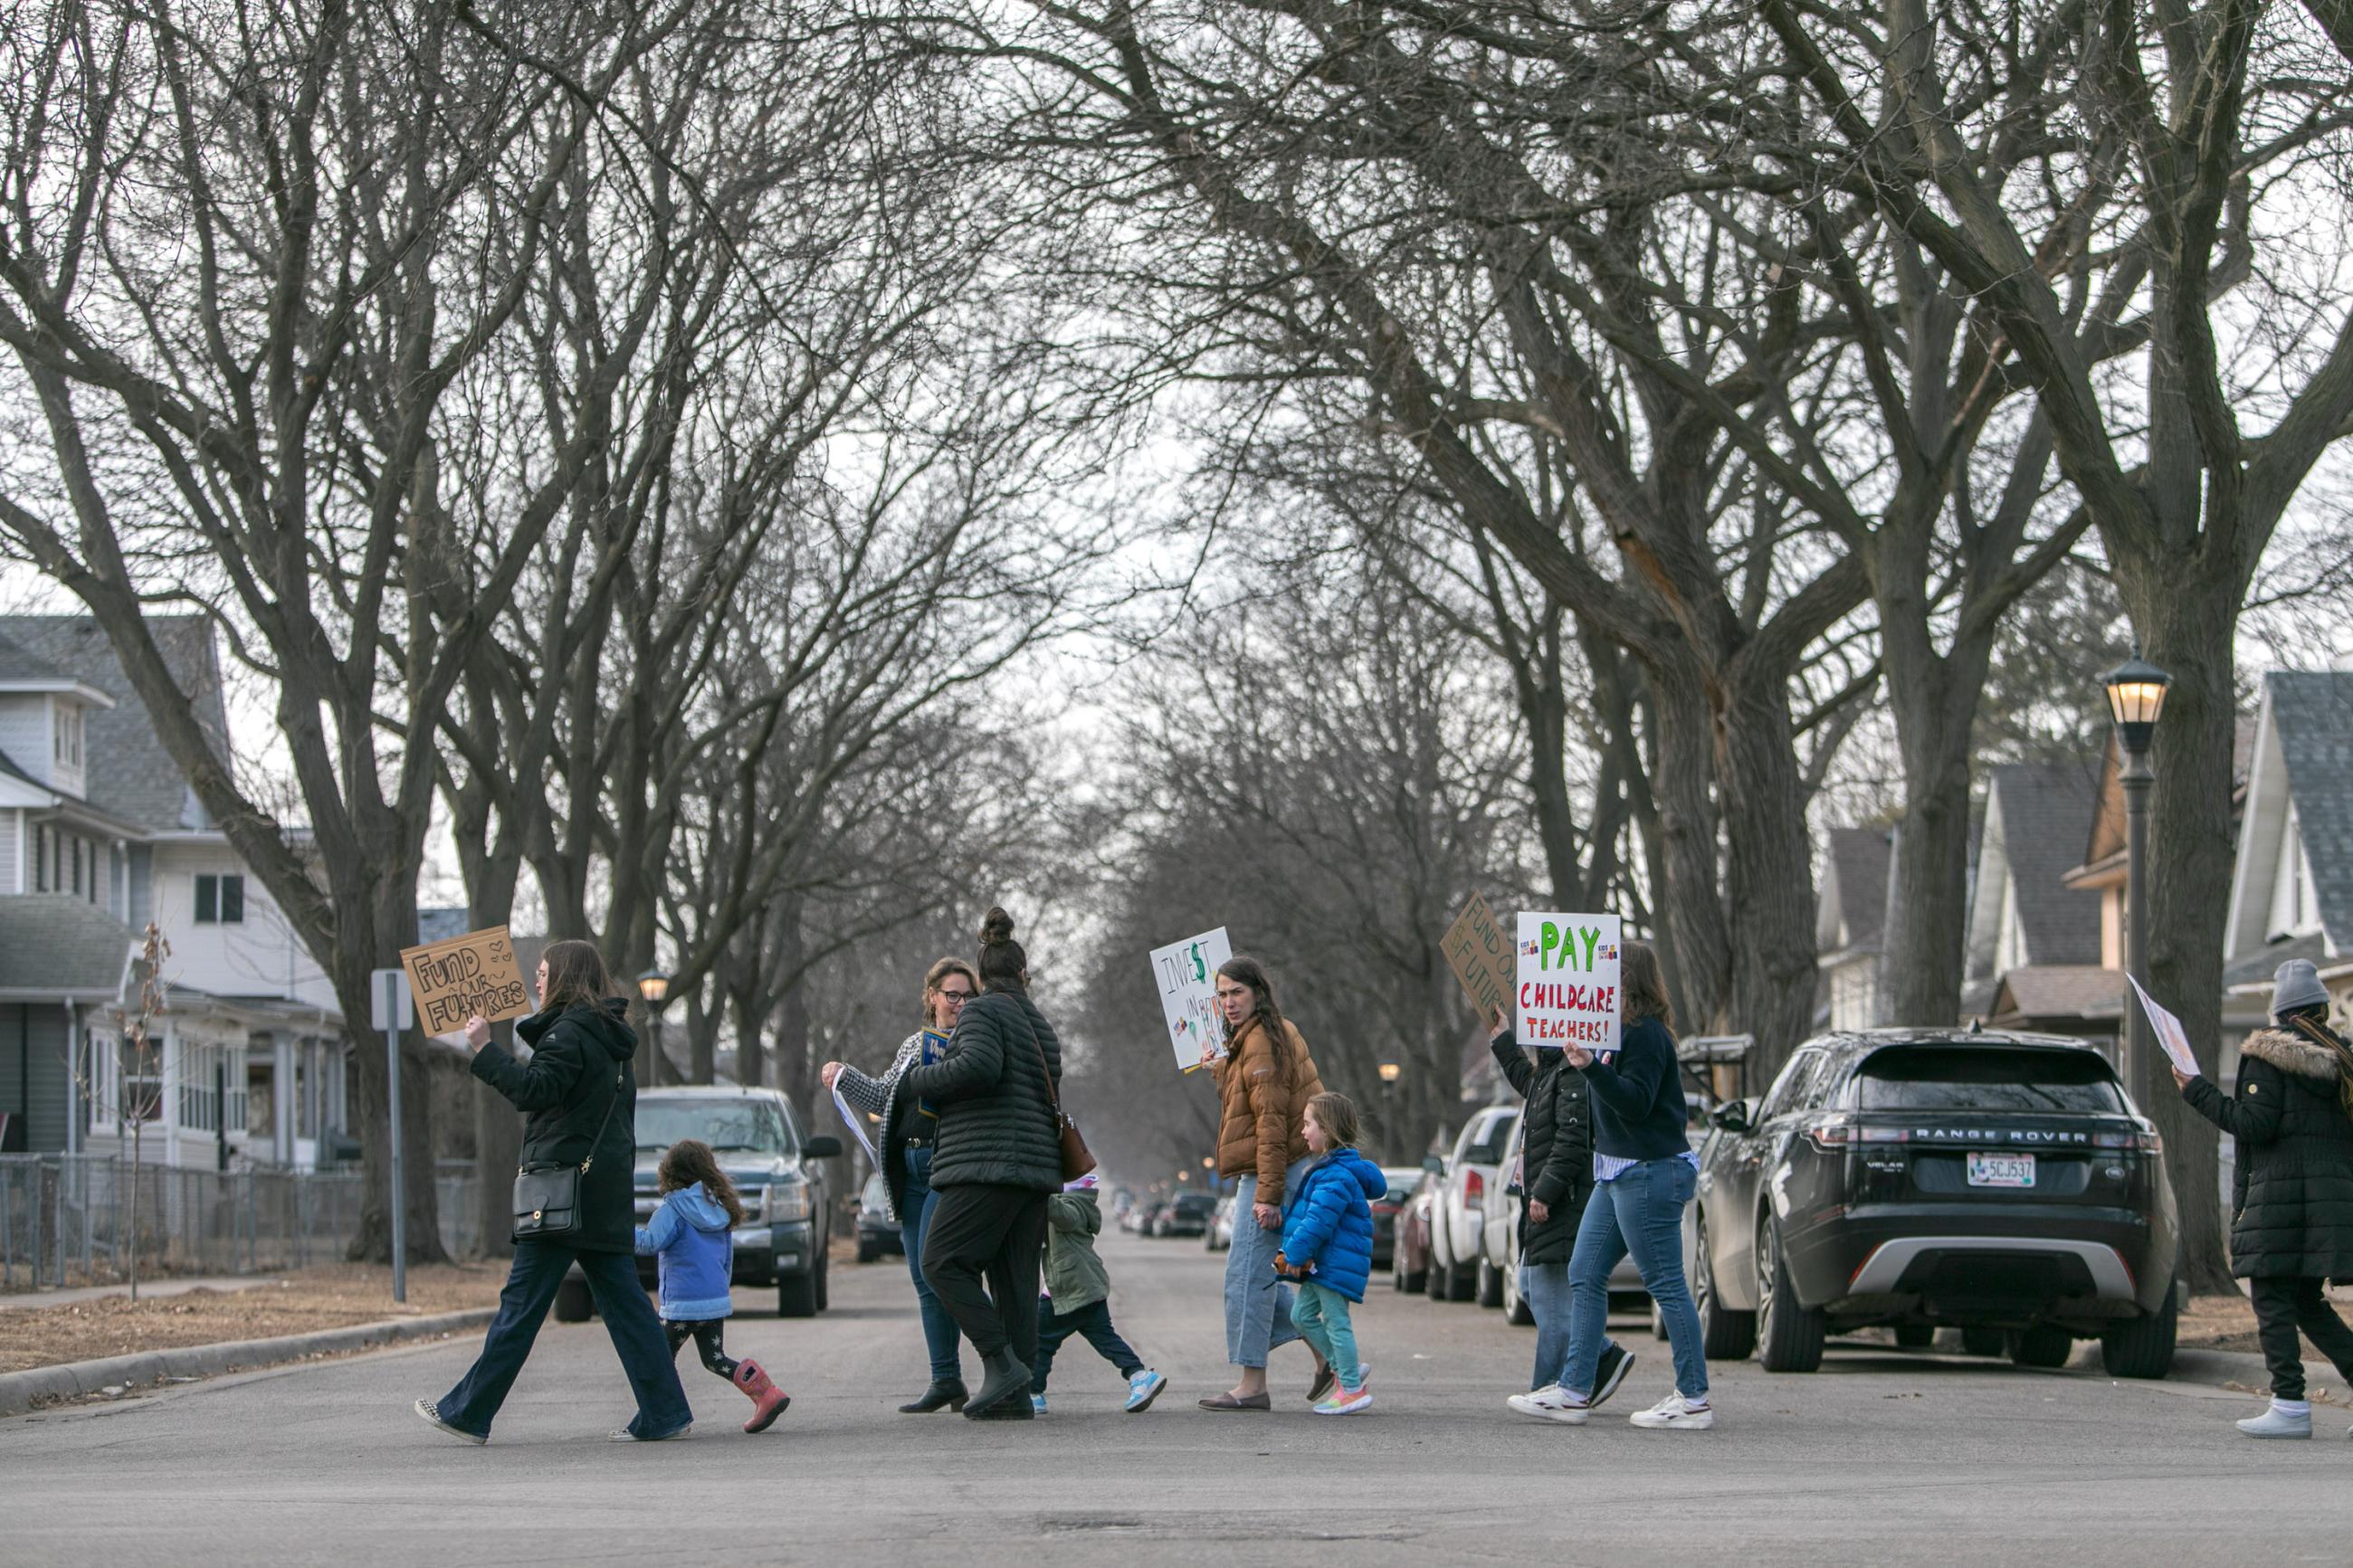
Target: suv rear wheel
point(1723, 1334)
point(1789, 1333)
point(797, 1295)
point(2143, 1347)
point(2042, 1345)
point(1516, 1310)
point(573, 1302)
point(1489, 1291)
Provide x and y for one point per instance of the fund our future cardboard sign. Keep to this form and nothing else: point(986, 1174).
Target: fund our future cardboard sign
point(1186, 975)
point(457, 978)
point(1567, 992)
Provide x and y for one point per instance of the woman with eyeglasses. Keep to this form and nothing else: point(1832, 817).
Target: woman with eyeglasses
point(904, 1152)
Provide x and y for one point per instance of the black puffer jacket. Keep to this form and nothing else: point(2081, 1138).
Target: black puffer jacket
point(579, 1062)
point(996, 1118)
point(1555, 1147)
point(2293, 1207)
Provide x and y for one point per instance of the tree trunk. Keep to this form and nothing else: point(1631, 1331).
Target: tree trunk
point(1921, 951)
point(1770, 881)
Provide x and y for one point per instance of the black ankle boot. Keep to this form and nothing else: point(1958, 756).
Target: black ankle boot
point(945, 1393)
point(1005, 1380)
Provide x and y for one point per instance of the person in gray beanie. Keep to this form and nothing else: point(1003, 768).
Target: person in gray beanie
point(2292, 1207)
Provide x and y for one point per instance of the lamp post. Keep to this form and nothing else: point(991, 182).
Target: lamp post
point(2136, 697)
point(653, 986)
point(1390, 1072)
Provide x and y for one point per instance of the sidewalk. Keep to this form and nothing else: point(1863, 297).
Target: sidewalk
point(35, 1301)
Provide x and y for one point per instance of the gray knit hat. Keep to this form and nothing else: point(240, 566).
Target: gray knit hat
point(2297, 984)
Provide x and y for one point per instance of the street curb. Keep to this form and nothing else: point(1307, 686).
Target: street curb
point(73, 1380)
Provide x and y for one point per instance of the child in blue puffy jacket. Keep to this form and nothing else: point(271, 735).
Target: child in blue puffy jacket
point(691, 1236)
point(1327, 1245)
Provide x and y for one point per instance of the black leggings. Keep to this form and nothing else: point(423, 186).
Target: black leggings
point(708, 1339)
point(2282, 1307)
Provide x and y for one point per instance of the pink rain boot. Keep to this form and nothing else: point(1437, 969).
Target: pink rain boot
point(768, 1401)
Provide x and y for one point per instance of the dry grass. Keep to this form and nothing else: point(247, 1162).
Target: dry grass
point(332, 1296)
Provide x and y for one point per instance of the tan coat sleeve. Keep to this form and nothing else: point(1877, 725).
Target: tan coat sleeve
point(1269, 1097)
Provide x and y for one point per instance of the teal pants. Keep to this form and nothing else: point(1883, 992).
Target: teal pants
point(1320, 1316)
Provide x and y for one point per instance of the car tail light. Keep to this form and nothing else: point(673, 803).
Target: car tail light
point(2143, 1139)
point(1474, 1188)
point(1832, 1133)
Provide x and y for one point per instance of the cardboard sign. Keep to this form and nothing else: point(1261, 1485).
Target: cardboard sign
point(456, 979)
point(1567, 975)
point(1186, 974)
point(1482, 958)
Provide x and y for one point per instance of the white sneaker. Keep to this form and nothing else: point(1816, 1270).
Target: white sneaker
point(1676, 1413)
point(1551, 1403)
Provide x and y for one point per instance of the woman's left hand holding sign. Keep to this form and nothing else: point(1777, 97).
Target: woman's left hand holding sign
point(478, 1032)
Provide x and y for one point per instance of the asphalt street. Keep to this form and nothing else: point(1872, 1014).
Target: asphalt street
point(1884, 1457)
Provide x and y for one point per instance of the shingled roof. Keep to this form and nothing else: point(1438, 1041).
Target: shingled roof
point(54, 944)
point(2046, 818)
point(19, 663)
point(131, 774)
point(2313, 711)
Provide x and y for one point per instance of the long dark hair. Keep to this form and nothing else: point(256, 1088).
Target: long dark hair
point(689, 1161)
point(576, 976)
point(1003, 965)
point(2312, 1023)
point(1249, 972)
point(1644, 985)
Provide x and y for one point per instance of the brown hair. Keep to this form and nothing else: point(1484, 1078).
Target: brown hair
point(1003, 964)
point(1644, 985)
point(689, 1161)
point(1336, 1114)
point(1249, 972)
point(939, 972)
point(576, 976)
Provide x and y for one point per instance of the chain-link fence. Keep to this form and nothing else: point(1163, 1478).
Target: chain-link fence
point(68, 1219)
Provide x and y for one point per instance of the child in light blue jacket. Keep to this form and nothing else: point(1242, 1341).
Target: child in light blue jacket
point(1327, 1245)
point(691, 1236)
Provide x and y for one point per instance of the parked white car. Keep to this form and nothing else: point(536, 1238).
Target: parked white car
point(1459, 1217)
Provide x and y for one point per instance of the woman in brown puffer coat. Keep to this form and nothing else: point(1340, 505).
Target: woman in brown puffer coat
point(1265, 1079)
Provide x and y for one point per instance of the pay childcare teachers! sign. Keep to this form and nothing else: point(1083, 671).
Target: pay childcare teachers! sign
point(454, 980)
point(1568, 981)
point(1186, 974)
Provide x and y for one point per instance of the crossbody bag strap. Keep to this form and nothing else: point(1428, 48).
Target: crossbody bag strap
point(1052, 1094)
point(609, 1106)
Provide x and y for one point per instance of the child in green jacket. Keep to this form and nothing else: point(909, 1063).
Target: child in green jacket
point(1077, 1299)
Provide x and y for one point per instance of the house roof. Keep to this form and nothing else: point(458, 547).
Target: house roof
point(1856, 892)
point(19, 663)
point(2046, 820)
point(2059, 990)
point(2314, 712)
point(131, 775)
point(2252, 973)
point(58, 945)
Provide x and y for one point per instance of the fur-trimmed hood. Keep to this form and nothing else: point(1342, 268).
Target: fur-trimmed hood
point(2294, 1052)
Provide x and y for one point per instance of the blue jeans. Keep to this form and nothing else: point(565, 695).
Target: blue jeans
point(1641, 1212)
point(539, 1268)
point(1323, 1319)
point(915, 1209)
point(1091, 1322)
point(1545, 1286)
point(1258, 1304)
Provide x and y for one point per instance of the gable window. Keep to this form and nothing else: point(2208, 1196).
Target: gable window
point(41, 857)
point(220, 901)
point(67, 735)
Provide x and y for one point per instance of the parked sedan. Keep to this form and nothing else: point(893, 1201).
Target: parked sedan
point(1917, 1178)
point(1458, 1218)
point(1220, 1237)
point(1402, 1180)
point(878, 1233)
point(1409, 1257)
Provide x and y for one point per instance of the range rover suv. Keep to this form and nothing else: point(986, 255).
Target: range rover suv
point(1998, 1183)
point(777, 1174)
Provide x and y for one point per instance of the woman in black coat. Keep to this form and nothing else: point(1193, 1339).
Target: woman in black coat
point(2292, 1207)
point(997, 1156)
point(581, 1098)
point(1555, 1179)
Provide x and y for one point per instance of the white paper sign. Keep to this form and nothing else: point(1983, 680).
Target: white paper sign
point(1567, 993)
point(1187, 974)
point(856, 1126)
point(2170, 1032)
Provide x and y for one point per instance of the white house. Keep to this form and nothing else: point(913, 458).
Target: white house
point(2292, 878)
point(99, 834)
point(1849, 925)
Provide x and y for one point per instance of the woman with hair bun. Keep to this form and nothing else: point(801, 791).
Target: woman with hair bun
point(996, 1155)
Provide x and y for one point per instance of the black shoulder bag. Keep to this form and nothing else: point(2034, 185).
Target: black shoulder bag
point(547, 1198)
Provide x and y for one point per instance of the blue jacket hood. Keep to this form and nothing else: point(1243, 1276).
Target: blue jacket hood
point(1368, 1175)
point(700, 1209)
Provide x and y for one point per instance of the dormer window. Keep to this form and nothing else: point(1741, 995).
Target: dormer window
point(68, 735)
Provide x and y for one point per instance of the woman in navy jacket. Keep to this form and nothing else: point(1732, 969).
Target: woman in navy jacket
point(1644, 1173)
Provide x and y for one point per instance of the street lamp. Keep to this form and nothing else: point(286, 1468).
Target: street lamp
point(1390, 1072)
point(2136, 698)
point(653, 986)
